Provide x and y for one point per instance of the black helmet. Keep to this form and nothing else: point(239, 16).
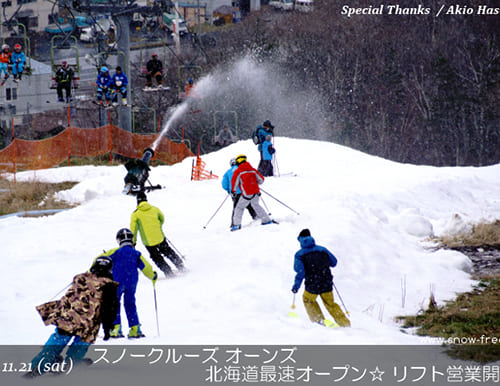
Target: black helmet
point(124, 235)
point(102, 266)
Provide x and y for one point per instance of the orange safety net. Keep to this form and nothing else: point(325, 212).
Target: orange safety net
point(198, 171)
point(33, 155)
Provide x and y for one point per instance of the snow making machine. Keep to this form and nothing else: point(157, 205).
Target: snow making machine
point(138, 174)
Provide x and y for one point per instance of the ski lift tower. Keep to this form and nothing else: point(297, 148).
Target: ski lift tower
point(122, 12)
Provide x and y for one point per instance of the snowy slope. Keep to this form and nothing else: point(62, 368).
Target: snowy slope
point(373, 214)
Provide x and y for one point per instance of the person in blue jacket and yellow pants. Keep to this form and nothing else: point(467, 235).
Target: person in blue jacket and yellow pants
point(312, 263)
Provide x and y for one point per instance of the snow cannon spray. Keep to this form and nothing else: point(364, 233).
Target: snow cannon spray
point(138, 173)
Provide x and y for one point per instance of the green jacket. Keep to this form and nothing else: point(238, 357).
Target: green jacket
point(148, 220)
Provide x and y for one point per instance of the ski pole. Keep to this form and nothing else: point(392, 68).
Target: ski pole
point(293, 314)
point(340, 297)
point(220, 206)
point(276, 161)
point(156, 310)
point(267, 209)
point(57, 294)
point(282, 203)
point(174, 248)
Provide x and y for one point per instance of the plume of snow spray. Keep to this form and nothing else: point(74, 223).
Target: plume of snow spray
point(177, 112)
point(254, 92)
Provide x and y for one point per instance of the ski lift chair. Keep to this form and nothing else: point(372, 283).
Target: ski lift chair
point(75, 84)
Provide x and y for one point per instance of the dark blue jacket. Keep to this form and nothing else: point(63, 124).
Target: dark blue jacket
point(126, 263)
point(122, 78)
point(104, 80)
point(313, 263)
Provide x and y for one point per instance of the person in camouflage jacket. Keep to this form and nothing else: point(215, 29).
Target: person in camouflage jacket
point(89, 302)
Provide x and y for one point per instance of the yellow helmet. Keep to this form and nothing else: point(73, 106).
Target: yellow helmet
point(240, 159)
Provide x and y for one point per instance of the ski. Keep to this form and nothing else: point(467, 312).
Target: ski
point(289, 174)
point(173, 275)
point(252, 224)
point(109, 106)
point(325, 322)
point(103, 105)
point(157, 88)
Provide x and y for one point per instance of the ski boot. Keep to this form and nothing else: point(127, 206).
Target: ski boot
point(235, 228)
point(135, 332)
point(116, 332)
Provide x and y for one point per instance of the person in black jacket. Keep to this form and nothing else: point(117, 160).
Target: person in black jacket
point(312, 263)
point(64, 78)
point(155, 69)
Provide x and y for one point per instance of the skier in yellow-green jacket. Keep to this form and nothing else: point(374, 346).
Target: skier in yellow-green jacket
point(147, 220)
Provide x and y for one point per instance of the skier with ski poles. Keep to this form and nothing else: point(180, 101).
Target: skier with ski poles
point(226, 185)
point(247, 179)
point(148, 221)
point(312, 263)
point(90, 301)
point(126, 263)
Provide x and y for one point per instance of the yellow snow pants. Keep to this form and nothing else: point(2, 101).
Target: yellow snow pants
point(314, 311)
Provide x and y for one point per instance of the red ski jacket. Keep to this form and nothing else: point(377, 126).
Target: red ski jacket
point(247, 179)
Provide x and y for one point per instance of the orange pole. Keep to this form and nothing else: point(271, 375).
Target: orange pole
point(69, 146)
point(159, 123)
point(110, 144)
point(69, 117)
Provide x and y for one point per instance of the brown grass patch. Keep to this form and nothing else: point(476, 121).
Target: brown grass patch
point(31, 195)
point(483, 234)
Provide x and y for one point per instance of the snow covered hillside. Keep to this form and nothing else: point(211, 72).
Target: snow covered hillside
point(373, 214)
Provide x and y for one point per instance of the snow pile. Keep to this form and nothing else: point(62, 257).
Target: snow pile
point(373, 214)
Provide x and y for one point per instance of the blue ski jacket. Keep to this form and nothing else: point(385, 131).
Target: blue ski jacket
point(122, 78)
point(312, 263)
point(226, 180)
point(126, 263)
point(104, 80)
point(267, 151)
point(18, 58)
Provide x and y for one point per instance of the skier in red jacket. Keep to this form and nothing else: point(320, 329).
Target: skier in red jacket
point(248, 180)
